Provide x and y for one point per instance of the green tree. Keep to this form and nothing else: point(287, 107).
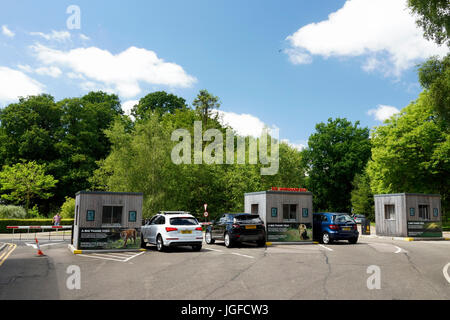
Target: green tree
point(362, 196)
point(336, 152)
point(204, 104)
point(433, 16)
point(410, 153)
point(157, 101)
point(434, 76)
point(68, 208)
point(24, 182)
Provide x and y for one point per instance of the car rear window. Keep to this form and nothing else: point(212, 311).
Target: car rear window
point(248, 219)
point(343, 218)
point(183, 221)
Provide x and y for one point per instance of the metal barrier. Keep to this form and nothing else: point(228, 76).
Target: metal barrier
point(35, 228)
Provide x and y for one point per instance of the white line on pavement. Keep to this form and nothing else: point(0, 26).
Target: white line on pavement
point(445, 271)
point(214, 250)
point(242, 255)
point(400, 250)
point(95, 257)
point(329, 249)
point(138, 254)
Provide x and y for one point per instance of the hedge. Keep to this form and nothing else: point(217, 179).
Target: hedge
point(29, 222)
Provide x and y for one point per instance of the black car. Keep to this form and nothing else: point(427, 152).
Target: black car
point(237, 227)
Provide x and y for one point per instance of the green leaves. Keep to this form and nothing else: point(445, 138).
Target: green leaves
point(336, 152)
point(25, 181)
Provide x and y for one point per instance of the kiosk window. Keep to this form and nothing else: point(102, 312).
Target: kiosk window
point(255, 208)
point(435, 212)
point(289, 211)
point(274, 212)
point(112, 215)
point(90, 215)
point(424, 212)
point(305, 212)
point(412, 212)
point(132, 216)
point(389, 212)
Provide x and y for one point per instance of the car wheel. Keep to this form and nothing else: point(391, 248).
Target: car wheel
point(197, 247)
point(160, 244)
point(228, 241)
point(353, 240)
point(143, 244)
point(326, 238)
point(208, 238)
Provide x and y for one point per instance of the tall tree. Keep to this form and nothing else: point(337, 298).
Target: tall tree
point(336, 152)
point(23, 182)
point(204, 104)
point(157, 101)
point(434, 18)
point(362, 196)
point(411, 153)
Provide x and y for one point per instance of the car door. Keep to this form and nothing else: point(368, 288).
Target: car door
point(146, 227)
point(218, 228)
point(153, 228)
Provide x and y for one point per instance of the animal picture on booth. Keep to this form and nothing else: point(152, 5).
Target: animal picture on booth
point(303, 231)
point(128, 234)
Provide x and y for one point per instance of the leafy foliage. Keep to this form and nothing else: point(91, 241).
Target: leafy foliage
point(12, 212)
point(362, 196)
point(24, 182)
point(160, 101)
point(68, 208)
point(433, 18)
point(411, 153)
point(336, 152)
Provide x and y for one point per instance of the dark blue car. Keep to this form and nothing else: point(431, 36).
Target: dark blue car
point(328, 227)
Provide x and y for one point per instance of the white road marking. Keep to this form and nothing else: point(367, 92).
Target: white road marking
point(400, 250)
point(445, 272)
point(214, 250)
point(113, 256)
point(242, 255)
point(329, 249)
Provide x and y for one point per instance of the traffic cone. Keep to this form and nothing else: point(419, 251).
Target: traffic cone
point(39, 252)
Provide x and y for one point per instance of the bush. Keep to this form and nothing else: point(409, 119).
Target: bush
point(68, 208)
point(12, 212)
point(29, 222)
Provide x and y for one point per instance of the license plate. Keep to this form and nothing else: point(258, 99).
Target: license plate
point(186, 231)
point(250, 227)
point(346, 228)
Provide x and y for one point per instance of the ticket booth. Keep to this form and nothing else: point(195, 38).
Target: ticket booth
point(408, 215)
point(107, 220)
point(286, 212)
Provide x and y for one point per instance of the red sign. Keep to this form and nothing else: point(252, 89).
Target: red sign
point(289, 189)
point(205, 214)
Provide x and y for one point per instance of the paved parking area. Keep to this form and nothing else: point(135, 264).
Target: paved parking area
point(407, 270)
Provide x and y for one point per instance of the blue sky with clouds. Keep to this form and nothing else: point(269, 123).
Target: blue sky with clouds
point(288, 64)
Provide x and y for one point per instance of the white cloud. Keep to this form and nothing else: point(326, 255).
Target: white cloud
point(84, 37)
point(298, 146)
point(128, 105)
point(14, 84)
point(7, 32)
point(54, 72)
point(383, 112)
point(60, 36)
point(25, 68)
point(244, 124)
point(123, 72)
point(384, 31)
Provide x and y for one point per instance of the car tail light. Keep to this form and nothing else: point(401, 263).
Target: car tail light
point(199, 229)
point(334, 227)
point(236, 226)
point(169, 229)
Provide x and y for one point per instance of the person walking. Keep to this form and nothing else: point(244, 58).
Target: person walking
point(57, 219)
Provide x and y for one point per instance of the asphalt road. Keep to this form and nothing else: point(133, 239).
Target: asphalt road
point(408, 270)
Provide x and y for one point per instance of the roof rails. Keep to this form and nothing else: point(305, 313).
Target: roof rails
point(174, 212)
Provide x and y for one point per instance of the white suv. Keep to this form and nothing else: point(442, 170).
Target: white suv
point(172, 228)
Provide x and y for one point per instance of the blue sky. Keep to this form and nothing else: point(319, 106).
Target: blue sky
point(288, 64)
